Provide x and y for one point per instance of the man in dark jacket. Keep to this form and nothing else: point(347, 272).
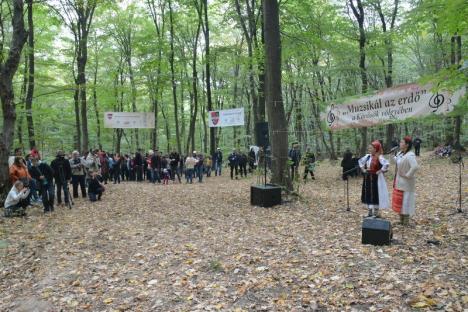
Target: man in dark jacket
point(62, 176)
point(156, 167)
point(417, 145)
point(44, 175)
point(295, 159)
point(243, 164)
point(174, 159)
point(233, 163)
point(78, 174)
point(139, 166)
point(218, 161)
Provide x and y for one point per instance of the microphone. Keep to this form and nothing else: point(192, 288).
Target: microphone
point(393, 149)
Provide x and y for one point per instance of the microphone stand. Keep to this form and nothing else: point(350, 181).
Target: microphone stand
point(348, 208)
point(461, 165)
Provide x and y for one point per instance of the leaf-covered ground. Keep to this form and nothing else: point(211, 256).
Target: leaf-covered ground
point(202, 247)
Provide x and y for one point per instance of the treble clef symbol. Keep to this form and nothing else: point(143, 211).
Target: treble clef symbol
point(331, 117)
point(436, 101)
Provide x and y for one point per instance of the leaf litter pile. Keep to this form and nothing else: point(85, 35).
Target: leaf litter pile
point(202, 247)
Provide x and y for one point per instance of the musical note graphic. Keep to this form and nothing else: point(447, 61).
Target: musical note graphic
point(436, 101)
point(331, 117)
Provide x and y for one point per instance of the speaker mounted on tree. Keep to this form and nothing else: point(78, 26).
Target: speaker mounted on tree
point(262, 136)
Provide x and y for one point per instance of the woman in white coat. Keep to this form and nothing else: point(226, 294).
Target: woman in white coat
point(374, 189)
point(403, 197)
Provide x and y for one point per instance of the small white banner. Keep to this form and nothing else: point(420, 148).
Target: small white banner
point(226, 118)
point(390, 105)
point(129, 120)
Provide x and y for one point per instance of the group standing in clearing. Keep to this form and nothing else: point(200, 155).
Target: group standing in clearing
point(35, 182)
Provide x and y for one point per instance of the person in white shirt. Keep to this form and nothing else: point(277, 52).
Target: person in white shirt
point(404, 197)
point(16, 200)
point(374, 189)
point(190, 163)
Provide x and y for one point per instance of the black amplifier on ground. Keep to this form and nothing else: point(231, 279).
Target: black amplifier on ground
point(265, 195)
point(376, 231)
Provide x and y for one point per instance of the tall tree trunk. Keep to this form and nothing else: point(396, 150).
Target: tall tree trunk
point(96, 110)
point(456, 51)
point(208, 74)
point(134, 95)
point(359, 14)
point(390, 133)
point(22, 101)
point(76, 101)
point(30, 92)
point(81, 63)
point(174, 86)
point(193, 119)
point(8, 68)
point(261, 70)
point(274, 101)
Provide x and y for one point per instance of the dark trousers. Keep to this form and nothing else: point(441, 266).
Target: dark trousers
point(174, 173)
point(116, 177)
point(306, 173)
point(234, 168)
point(139, 173)
point(78, 180)
point(417, 149)
point(18, 209)
point(62, 186)
point(294, 171)
point(199, 170)
point(47, 191)
point(95, 196)
point(243, 170)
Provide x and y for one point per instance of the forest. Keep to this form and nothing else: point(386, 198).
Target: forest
point(181, 59)
point(66, 64)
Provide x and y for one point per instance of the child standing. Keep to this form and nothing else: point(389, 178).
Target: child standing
point(166, 176)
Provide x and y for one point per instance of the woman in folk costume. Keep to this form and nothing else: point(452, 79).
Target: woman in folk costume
point(403, 197)
point(374, 188)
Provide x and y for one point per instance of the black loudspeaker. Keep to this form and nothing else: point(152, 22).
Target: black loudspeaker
point(376, 231)
point(262, 137)
point(265, 195)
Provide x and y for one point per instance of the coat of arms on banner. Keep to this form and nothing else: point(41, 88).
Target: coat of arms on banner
point(215, 118)
point(109, 116)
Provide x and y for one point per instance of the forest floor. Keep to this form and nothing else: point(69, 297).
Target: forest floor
point(202, 247)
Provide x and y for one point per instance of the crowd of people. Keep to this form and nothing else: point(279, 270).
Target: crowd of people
point(35, 182)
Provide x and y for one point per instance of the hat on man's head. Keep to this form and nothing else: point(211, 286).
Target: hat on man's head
point(60, 153)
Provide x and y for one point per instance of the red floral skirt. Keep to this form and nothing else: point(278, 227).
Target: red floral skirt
point(397, 200)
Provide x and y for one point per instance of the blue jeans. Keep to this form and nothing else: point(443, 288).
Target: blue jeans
point(200, 173)
point(155, 175)
point(33, 186)
point(189, 175)
point(17, 209)
point(66, 193)
point(95, 196)
point(218, 167)
point(48, 196)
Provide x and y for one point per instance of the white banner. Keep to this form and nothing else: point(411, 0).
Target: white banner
point(226, 118)
point(390, 105)
point(128, 120)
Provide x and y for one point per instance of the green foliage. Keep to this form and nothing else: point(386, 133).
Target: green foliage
point(320, 64)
